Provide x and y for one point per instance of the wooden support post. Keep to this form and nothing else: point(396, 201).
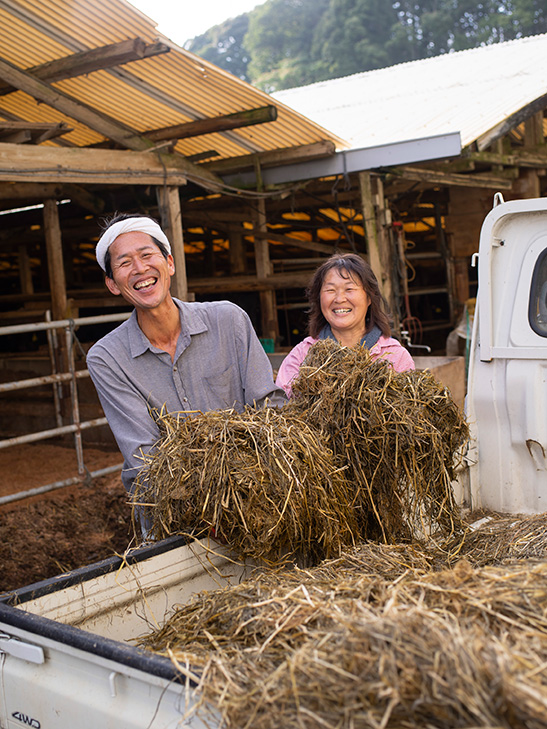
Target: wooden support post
point(533, 130)
point(238, 263)
point(209, 253)
point(527, 185)
point(461, 281)
point(270, 326)
point(445, 252)
point(171, 222)
point(57, 285)
point(25, 273)
point(55, 264)
point(376, 218)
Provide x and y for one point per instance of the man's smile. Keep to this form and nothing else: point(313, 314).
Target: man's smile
point(145, 284)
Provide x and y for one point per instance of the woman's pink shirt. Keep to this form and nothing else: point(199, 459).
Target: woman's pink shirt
point(387, 348)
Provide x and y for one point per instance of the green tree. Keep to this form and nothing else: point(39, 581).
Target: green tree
point(279, 40)
point(286, 43)
point(358, 35)
point(433, 27)
point(524, 18)
point(224, 45)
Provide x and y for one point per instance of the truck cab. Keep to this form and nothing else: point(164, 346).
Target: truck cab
point(507, 387)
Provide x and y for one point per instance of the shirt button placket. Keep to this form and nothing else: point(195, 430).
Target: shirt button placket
point(179, 387)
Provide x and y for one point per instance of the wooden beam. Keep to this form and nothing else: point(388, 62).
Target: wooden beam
point(96, 59)
point(28, 191)
point(528, 185)
point(55, 130)
point(288, 240)
point(85, 199)
point(102, 166)
point(42, 91)
point(434, 177)
point(250, 283)
point(231, 223)
point(21, 137)
point(263, 263)
point(38, 191)
point(208, 285)
point(36, 132)
point(512, 121)
point(171, 220)
point(80, 165)
point(239, 119)
point(517, 158)
point(272, 158)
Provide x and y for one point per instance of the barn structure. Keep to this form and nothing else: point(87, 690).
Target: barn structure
point(99, 113)
point(495, 97)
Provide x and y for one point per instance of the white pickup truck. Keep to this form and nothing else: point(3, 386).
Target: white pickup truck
point(507, 381)
point(66, 657)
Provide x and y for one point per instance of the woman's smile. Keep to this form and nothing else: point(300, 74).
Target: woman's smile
point(344, 304)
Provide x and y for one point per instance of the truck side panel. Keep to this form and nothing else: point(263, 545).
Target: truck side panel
point(66, 653)
point(507, 386)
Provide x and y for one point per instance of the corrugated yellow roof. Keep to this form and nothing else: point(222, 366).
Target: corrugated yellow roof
point(151, 93)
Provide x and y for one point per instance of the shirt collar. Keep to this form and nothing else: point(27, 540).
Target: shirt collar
point(369, 340)
point(191, 322)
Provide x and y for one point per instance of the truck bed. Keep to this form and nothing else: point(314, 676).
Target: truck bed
point(66, 654)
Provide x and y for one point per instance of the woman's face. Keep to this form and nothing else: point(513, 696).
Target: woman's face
point(344, 304)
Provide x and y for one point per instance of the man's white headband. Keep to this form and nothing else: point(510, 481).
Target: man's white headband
point(129, 225)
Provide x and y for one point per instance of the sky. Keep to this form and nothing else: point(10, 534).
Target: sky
point(181, 20)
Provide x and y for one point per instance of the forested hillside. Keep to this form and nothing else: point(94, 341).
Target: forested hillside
point(286, 43)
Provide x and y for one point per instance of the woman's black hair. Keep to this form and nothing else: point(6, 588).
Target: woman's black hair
point(348, 265)
point(107, 222)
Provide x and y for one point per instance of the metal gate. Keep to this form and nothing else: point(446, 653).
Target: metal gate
point(67, 328)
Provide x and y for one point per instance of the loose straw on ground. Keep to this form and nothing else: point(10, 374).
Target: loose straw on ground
point(506, 537)
point(372, 639)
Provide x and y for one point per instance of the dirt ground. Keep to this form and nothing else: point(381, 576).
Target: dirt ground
point(46, 535)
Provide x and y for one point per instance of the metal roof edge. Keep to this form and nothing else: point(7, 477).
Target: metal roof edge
point(439, 146)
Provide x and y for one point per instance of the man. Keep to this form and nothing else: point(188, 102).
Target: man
point(169, 354)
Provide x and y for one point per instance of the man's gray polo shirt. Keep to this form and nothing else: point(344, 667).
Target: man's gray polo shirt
point(219, 363)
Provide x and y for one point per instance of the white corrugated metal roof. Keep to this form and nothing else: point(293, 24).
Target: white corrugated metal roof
point(147, 94)
point(469, 92)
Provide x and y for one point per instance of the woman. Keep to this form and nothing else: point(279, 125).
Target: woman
point(346, 305)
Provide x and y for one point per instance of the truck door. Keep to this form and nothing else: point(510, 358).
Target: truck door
point(507, 385)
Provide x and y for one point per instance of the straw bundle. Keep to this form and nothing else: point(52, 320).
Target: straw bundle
point(342, 645)
point(361, 452)
point(398, 433)
point(261, 479)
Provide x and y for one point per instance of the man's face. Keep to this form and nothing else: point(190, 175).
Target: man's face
point(140, 273)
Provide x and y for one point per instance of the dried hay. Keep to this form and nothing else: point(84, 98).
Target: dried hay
point(398, 433)
point(361, 452)
point(498, 538)
point(372, 639)
point(262, 480)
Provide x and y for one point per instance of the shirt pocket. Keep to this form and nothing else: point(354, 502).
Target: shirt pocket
point(224, 389)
